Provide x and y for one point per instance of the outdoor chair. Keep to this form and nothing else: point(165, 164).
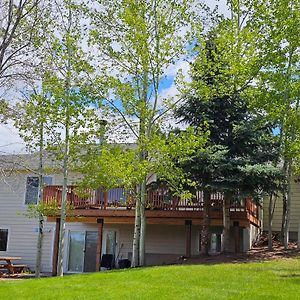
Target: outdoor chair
point(107, 261)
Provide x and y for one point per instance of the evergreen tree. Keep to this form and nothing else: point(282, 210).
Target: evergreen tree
point(241, 147)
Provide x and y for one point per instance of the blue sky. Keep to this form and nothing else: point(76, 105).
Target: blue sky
point(166, 83)
point(10, 141)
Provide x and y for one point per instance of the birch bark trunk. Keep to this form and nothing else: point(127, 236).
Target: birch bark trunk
point(61, 248)
point(270, 220)
point(136, 234)
point(143, 224)
point(225, 246)
point(288, 206)
point(40, 198)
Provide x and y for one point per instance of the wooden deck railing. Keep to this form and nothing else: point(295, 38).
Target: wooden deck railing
point(156, 200)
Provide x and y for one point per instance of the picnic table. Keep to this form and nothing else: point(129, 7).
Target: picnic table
point(6, 263)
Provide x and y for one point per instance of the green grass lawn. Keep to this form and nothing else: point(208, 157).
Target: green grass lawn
point(267, 280)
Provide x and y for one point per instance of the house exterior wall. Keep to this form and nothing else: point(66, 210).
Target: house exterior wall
point(294, 212)
point(249, 236)
point(164, 243)
point(22, 231)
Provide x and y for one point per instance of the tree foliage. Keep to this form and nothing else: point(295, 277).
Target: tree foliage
point(242, 146)
point(137, 41)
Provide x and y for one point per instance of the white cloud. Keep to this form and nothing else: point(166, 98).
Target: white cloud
point(181, 65)
point(170, 92)
point(10, 141)
point(222, 6)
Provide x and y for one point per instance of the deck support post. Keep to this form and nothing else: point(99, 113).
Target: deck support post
point(55, 247)
point(236, 236)
point(99, 244)
point(188, 225)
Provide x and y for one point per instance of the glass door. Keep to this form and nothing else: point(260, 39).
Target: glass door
point(109, 246)
point(83, 249)
point(76, 251)
point(109, 242)
point(215, 243)
point(90, 251)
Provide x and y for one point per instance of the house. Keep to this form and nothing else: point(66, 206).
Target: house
point(18, 233)
point(294, 212)
point(102, 222)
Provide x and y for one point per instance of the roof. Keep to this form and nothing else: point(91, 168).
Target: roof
point(25, 162)
point(30, 162)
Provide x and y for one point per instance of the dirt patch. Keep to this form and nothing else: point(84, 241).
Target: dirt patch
point(257, 253)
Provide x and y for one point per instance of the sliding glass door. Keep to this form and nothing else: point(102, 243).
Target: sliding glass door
point(83, 249)
point(76, 251)
point(90, 251)
point(109, 244)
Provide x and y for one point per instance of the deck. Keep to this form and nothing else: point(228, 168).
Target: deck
point(117, 206)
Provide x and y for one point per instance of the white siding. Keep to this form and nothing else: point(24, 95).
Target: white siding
point(22, 235)
point(165, 242)
point(161, 239)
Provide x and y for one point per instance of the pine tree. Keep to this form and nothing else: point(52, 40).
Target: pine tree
point(241, 147)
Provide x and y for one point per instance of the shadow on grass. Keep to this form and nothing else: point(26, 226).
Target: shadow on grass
point(290, 275)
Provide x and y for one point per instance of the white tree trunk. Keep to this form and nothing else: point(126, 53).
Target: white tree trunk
point(61, 248)
point(225, 247)
point(288, 208)
point(136, 234)
point(40, 198)
point(39, 246)
point(271, 208)
point(270, 220)
point(143, 225)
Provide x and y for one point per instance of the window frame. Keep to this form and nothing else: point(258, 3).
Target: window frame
point(25, 190)
point(199, 241)
point(8, 238)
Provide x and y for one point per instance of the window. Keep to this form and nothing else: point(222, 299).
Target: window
point(214, 242)
point(3, 239)
point(32, 188)
point(199, 242)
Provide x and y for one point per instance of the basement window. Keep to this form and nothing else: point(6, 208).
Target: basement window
point(3, 239)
